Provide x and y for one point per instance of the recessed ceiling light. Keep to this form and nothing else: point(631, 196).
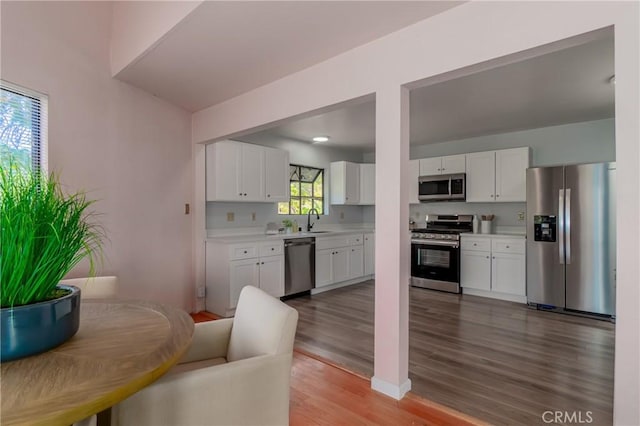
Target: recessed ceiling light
point(320, 139)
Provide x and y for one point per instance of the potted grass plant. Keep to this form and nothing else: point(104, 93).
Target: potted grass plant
point(44, 233)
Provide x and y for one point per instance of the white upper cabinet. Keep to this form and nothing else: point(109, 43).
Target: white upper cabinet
point(511, 174)
point(454, 164)
point(367, 184)
point(430, 166)
point(497, 175)
point(345, 182)
point(276, 174)
point(443, 165)
point(481, 176)
point(251, 176)
point(239, 171)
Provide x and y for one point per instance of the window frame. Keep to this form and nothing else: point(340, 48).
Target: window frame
point(39, 123)
point(300, 197)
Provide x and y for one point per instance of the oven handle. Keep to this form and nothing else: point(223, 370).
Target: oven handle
point(454, 244)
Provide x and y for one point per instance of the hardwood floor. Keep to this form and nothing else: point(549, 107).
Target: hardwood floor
point(498, 361)
point(323, 394)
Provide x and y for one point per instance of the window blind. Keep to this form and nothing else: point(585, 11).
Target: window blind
point(23, 125)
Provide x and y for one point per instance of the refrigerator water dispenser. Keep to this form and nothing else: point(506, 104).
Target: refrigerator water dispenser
point(544, 228)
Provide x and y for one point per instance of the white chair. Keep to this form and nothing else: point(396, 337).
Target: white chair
point(236, 372)
point(95, 287)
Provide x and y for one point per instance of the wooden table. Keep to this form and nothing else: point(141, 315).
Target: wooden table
point(121, 347)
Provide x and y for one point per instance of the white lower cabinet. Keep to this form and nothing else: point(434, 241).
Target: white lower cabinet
point(339, 259)
point(493, 267)
point(475, 270)
point(231, 267)
point(369, 254)
point(356, 262)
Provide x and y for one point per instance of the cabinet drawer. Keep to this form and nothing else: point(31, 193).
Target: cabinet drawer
point(508, 246)
point(271, 249)
point(333, 242)
point(242, 251)
point(356, 240)
point(476, 244)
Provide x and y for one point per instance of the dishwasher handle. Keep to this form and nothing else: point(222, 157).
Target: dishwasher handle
point(300, 242)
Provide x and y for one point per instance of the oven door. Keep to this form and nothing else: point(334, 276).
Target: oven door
point(436, 265)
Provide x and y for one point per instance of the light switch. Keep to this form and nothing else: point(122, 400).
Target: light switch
point(230, 217)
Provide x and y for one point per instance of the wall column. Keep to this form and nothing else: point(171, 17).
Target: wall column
point(391, 352)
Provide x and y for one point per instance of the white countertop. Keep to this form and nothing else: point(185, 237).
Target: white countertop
point(244, 238)
point(513, 235)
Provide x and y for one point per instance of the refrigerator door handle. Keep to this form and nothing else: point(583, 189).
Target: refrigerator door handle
point(567, 224)
point(561, 226)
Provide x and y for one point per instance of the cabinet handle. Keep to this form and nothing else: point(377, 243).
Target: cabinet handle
point(262, 263)
point(487, 257)
point(268, 195)
point(475, 244)
point(257, 263)
point(245, 252)
point(507, 246)
point(494, 257)
point(497, 195)
point(491, 195)
point(240, 194)
point(245, 194)
point(272, 249)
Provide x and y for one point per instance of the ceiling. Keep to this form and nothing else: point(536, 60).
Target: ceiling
point(226, 48)
point(565, 86)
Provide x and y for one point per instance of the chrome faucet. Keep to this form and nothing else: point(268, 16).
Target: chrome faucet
point(309, 225)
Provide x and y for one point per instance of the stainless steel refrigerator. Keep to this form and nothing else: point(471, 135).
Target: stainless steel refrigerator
point(571, 238)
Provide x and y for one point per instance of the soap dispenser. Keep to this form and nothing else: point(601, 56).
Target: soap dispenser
point(476, 224)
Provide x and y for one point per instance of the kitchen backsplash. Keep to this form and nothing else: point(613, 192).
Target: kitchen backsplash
point(243, 215)
point(506, 214)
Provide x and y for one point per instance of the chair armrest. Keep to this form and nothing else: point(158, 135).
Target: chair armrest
point(210, 340)
point(248, 392)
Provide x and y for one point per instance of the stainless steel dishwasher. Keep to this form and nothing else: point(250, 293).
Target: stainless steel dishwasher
point(299, 265)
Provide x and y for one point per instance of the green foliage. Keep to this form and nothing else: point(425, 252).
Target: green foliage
point(44, 234)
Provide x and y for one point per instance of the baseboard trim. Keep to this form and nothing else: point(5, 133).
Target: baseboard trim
point(494, 295)
point(389, 389)
point(352, 281)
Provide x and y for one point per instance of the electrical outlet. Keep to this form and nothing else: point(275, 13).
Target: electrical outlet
point(520, 216)
point(200, 291)
point(186, 208)
point(253, 217)
point(231, 217)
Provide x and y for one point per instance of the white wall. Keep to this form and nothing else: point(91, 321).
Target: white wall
point(586, 142)
point(574, 143)
point(461, 37)
point(130, 150)
point(301, 153)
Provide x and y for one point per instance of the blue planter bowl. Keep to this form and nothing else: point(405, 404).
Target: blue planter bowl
point(33, 329)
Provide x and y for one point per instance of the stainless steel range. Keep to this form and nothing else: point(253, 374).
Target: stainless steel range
point(435, 252)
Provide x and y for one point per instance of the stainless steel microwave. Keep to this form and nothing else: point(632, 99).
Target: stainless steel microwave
point(442, 187)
